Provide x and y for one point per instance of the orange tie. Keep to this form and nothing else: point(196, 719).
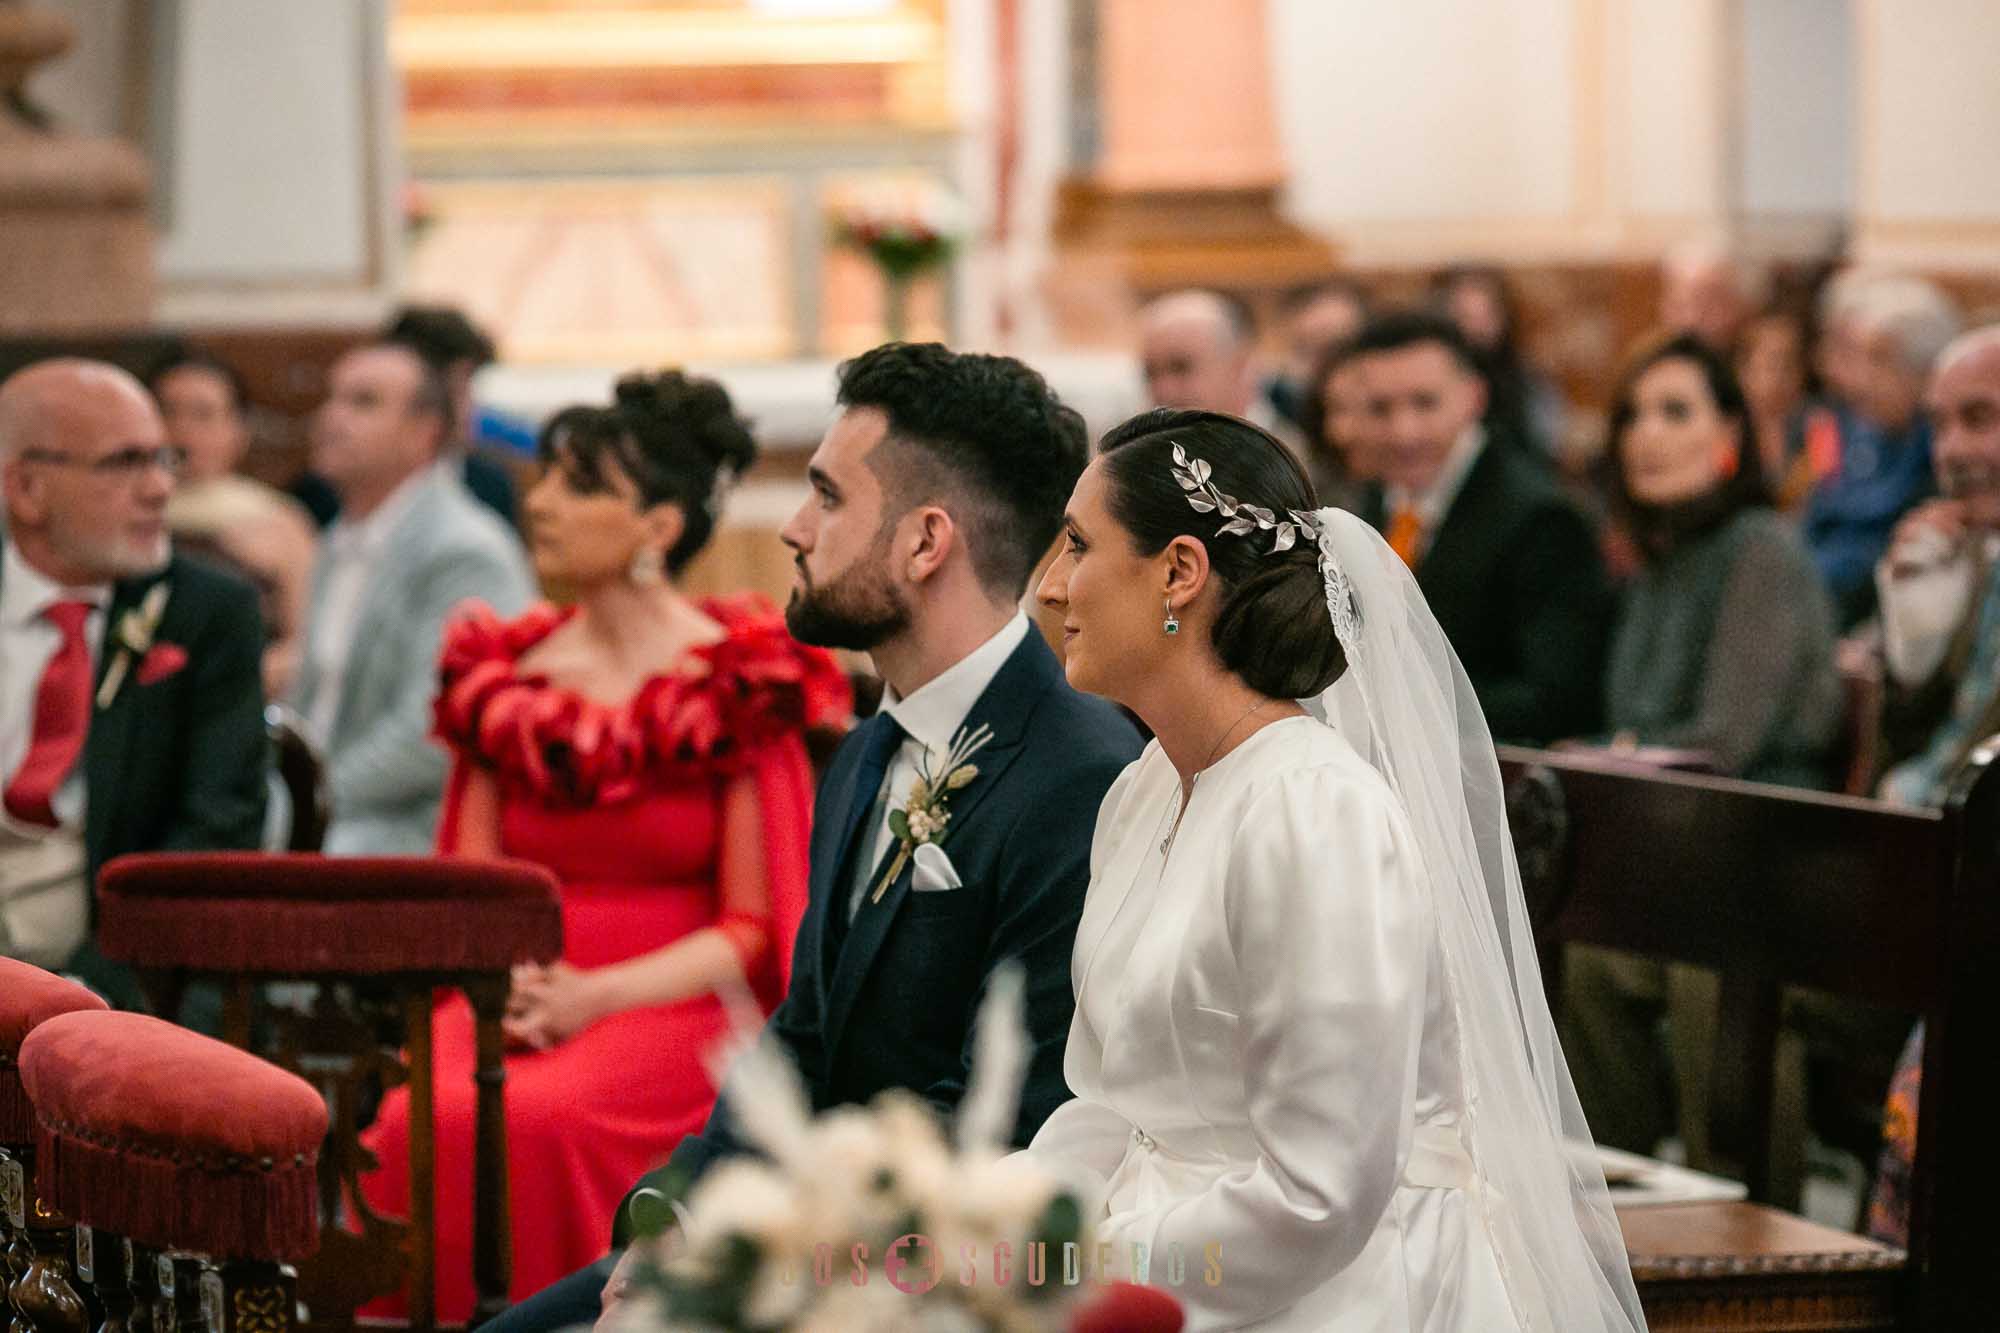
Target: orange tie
point(1406, 532)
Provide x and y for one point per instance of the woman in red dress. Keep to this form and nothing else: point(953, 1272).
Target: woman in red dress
point(648, 749)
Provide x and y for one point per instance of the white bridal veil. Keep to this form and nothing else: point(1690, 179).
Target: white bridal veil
point(1407, 706)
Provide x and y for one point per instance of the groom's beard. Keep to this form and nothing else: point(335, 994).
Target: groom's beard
point(858, 611)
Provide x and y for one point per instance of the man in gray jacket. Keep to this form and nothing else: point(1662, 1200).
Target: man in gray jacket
point(410, 546)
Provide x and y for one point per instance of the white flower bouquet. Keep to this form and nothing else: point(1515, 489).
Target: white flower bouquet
point(871, 1218)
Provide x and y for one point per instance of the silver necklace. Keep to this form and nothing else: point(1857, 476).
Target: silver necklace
point(1167, 842)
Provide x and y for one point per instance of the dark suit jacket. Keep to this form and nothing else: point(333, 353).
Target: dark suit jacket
point(1514, 576)
point(892, 1007)
point(178, 764)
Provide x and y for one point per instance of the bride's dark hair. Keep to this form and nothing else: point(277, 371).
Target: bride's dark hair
point(1273, 629)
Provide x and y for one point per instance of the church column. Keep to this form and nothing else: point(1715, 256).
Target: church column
point(1181, 186)
point(76, 249)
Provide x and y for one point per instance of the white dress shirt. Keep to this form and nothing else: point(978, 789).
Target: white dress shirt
point(930, 717)
point(1921, 611)
point(353, 559)
point(27, 643)
point(1432, 506)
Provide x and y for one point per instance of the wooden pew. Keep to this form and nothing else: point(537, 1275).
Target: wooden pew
point(1772, 888)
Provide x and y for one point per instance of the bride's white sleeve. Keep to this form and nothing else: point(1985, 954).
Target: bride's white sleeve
point(1084, 1140)
point(1329, 930)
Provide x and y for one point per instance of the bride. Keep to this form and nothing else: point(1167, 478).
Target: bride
point(1317, 1086)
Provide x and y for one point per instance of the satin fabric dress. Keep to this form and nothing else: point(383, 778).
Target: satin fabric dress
point(624, 804)
point(1265, 1056)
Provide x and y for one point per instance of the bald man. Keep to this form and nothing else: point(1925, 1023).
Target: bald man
point(1198, 349)
point(131, 708)
point(1709, 290)
point(1940, 585)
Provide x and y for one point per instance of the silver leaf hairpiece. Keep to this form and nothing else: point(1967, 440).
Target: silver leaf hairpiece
point(1243, 518)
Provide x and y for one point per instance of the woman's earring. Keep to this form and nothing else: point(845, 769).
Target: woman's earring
point(646, 569)
point(1173, 625)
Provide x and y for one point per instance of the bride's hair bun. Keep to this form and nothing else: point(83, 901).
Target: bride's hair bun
point(1273, 629)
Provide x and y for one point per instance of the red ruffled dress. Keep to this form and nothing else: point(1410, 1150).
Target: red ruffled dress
point(624, 804)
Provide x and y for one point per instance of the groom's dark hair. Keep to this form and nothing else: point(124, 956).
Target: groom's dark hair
point(983, 436)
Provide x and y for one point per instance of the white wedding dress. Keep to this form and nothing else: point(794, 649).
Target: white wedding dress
point(1265, 1054)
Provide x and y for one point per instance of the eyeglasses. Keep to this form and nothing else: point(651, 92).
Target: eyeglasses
point(125, 464)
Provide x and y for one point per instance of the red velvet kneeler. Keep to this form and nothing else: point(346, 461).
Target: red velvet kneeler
point(296, 915)
point(172, 1139)
point(29, 997)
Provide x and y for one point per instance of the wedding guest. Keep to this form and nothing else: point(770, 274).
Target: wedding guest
point(1347, 446)
point(1198, 349)
point(1940, 586)
point(1900, 326)
point(935, 493)
point(1724, 643)
point(1520, 401)
point(664, 779)
point(1797, 439)
point(1837, 350)
point(458, 350)
point(131, 718)
point(1507, 564)
point(409, 546)
point(258, 529)
point(1316, 318)
point(455, 350)
point(1709, 290)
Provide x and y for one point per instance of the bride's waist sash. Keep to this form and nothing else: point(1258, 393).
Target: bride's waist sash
point(1437, 1160)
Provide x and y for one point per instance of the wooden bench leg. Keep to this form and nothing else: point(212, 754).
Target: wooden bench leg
point(104, 1267)
point(244, 1296)
point(143, 1276)
point(492, 1241)
point(423, 1161)
point(14, 1251)
point(44, 1301)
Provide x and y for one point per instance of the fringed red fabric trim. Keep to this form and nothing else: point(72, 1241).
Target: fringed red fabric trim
point(298, 937)
point(17, 1113)
point(754, 686)
point(247, 1211)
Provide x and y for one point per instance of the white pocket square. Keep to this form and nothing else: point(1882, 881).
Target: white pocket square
point(934, 871)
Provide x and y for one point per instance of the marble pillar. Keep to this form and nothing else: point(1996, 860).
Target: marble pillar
point(76, 244)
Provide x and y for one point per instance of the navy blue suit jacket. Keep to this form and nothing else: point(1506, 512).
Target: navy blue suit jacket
point(891, 1004)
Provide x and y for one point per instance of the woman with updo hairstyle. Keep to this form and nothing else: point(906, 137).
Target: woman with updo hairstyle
point(648, 749)
point(1271, 1053)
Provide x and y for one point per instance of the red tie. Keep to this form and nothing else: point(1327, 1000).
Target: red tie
point(62, 716)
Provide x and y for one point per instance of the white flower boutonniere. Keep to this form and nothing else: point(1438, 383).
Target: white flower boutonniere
point(923, 818)
point(133, 635)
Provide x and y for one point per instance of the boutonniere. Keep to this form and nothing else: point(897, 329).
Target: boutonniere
point(922, 820)
point(133, 635)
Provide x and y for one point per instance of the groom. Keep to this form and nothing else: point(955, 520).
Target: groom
point(934, 495)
